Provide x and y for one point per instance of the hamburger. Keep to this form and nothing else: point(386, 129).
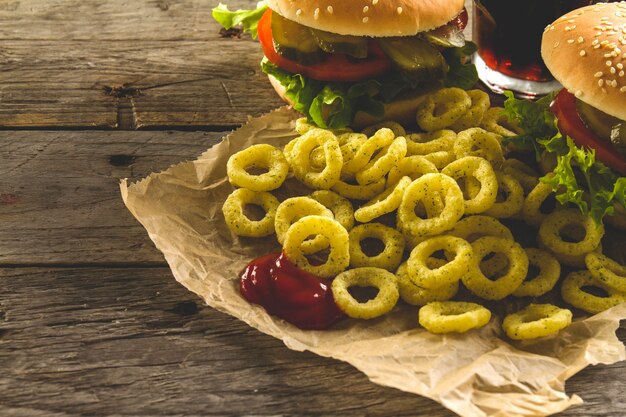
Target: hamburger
point(357, 62)
point(580, 130)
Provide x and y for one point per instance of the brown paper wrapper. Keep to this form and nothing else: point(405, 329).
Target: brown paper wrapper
point(477, 373)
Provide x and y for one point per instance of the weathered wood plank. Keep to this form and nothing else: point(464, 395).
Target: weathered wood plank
point(60, 199)
point(134, 342)
point(170, 83)
point(113, 20)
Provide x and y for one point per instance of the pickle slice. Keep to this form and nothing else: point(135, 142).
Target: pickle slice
point(416, 57)
point(355, 46)
point(603, 125)
point(447, 36)
point(294, 41)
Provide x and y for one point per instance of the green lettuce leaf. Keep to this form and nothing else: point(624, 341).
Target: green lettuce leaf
point(461, 72)
point(578, 178)
point(248, 19)
point(328, 104)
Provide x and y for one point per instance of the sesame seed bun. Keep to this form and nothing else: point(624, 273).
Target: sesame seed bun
point(370, 17)
point(402, 110)
point(585, 50)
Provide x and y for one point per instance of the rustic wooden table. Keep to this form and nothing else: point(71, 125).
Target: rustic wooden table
point(91, 320)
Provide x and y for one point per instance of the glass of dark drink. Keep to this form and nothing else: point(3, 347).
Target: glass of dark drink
point(508, 34)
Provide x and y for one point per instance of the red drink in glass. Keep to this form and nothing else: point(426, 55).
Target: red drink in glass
point(508, 34)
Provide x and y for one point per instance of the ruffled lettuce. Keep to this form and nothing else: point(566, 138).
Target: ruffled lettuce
point(248, 19)
point(578, 178)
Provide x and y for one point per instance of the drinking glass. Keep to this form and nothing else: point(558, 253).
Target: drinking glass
point(508, 34)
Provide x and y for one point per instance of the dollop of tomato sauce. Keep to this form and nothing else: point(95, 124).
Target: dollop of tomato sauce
point(290, 293)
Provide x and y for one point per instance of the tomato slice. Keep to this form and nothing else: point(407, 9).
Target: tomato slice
point(335, 67)
point(570, 124)
point(461, 19)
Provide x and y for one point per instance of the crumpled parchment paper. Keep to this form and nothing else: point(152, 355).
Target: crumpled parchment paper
point(474, 374)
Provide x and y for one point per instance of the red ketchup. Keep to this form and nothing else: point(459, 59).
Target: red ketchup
point(286, 291)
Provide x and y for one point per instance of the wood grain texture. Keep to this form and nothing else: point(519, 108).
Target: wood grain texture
point(126, 64)
point(79, 341)
point(59, 193)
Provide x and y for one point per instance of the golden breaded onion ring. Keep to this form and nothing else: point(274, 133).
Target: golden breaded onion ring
point(429, 142)
point(340, 206)
point(442, 108)
point(495, 121)
point(606, 270)
point(257, 156)
point(480, 169)
point(242, 225)
point(478, 142)
point(379, 140)
point(293, 209)
point(419, 296)
point(337, 237)
point(359, 192)
point(300, 157)
point(497, 289)
point(383, 162)
point(573, 292)
point(382, 303)
point(412, 166)
point(430, 187)
point(453, 316)
point(392, 240)
point(546, 279)
point(384, 203)
point(474, 115)
point(471, 228)
point(460, 265)
point(556, 222)
point(536, 320)
point(513, 197)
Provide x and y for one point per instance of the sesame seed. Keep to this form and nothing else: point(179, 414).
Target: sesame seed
point(613, 83)
point(600, 82)
point(316, 13)
point(399, 10)
point(595, 42)
point(622, 89)
point(570, 41)
point(609, 63)
point(583, 52)
point(578, 93)
point(365, 9)
point(556, 44)
point(329, 9)
point(598, 74)
point(581, 39)
point(621, 73)
point(374, 2)
point(365, 19)
point(298, 12)
point(613, 70)
point(619, 65)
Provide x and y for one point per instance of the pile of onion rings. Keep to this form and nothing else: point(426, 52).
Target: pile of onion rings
point(439, 201)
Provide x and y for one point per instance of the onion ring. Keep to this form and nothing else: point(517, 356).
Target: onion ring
point(536, 320)
point(453, 316)
point(383, 280)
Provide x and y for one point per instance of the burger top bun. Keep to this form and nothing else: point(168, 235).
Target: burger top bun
point(585, 50)
point(369, 17)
